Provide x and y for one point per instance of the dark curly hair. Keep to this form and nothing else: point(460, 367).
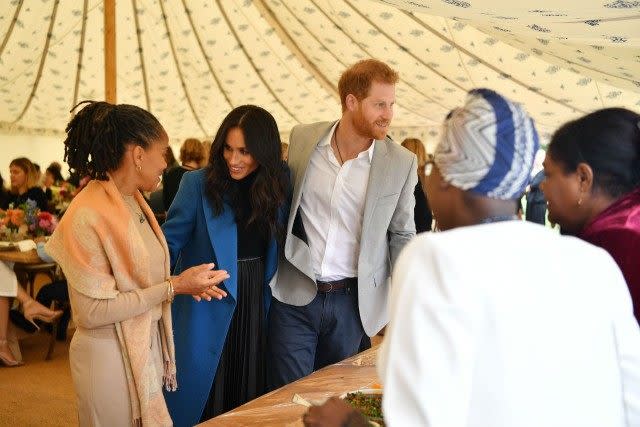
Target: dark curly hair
point(269, 188)
point(99, 133)
point(55, 169)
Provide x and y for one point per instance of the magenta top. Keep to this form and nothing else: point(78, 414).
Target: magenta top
point(617, 230)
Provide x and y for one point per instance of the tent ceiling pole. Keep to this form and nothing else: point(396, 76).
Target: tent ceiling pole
point(110, 51)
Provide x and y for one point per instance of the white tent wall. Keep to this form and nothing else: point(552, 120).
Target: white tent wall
point(190, 62)
point(40, 149)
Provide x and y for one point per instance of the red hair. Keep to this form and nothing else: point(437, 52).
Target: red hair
point(357, 79)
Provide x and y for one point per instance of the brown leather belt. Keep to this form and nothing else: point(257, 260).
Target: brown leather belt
point(350, 283)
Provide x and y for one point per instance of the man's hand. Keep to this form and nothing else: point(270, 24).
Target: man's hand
point(334, 413)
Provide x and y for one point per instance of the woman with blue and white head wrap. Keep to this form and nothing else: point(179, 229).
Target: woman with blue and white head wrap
point(483, 160)
point(474, 338)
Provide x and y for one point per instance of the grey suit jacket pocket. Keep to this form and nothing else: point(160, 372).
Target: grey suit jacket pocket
point(381, 276)
point(388, 199)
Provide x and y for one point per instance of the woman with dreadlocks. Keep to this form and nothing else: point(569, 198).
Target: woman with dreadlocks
point(116, 260)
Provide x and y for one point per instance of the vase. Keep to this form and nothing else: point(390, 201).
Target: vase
point(13, 235)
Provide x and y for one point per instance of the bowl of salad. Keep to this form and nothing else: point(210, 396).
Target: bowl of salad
point(369, 403)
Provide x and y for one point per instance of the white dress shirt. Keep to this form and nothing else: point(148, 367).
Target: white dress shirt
point(332, 207)
point(509, 325)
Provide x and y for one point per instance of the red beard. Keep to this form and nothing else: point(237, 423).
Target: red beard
point(368, 130)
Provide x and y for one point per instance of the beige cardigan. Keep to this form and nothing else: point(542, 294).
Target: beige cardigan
point(102, 254)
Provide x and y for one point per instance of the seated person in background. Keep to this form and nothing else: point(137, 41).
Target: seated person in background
point(170, 158)
point(32, 310)
point(536, 203)
point(55, 291)
point(592, 184)
point(52, 178)
point(55, 187)
point(206, 144)
point(191, 156)
point(467, 345)
point(24, 185)
point(38, 174)
point(422, 212)
point(4, 194)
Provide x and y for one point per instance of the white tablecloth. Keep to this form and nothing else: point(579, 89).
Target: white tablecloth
point(8, 280)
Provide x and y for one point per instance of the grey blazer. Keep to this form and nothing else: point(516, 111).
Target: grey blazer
point(387, 226)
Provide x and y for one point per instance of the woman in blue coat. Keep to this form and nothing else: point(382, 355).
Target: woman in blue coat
point(230, 213)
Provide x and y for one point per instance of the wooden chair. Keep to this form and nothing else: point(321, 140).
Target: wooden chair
point(26, 274)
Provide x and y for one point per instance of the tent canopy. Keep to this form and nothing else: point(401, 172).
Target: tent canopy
point(191, 61)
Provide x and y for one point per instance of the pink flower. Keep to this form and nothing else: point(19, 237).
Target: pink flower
point(45, 216)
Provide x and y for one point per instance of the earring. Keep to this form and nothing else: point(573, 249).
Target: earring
point(139, 168)
point(580, 200)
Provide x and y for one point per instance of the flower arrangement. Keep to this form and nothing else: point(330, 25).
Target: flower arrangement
point(12, 218)
point(26, 220)
point(45, 223)
point(62, 196)
point(12, 224)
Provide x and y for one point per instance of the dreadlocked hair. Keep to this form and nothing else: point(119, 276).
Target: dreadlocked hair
point(98, 134)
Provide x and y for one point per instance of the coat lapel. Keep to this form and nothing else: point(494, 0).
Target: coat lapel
point(377, 174)
point(224, 239)
point(302, 160)
point(296, 250)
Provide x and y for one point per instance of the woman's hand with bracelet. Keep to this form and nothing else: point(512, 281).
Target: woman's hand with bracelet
point(200, 282)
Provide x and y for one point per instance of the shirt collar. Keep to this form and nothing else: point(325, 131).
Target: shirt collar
point(326, 141)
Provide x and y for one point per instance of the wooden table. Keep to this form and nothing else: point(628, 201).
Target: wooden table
point(27, 257)
point(277, 409)
point(27, 265)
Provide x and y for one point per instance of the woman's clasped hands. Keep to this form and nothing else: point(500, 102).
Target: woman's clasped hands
point(201, 282)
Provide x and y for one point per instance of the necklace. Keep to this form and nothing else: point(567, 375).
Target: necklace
point(498, 218)
point(141, 217)
point(335, 139)
point(136, 210)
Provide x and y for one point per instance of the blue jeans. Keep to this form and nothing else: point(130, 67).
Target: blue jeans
point(304, 339)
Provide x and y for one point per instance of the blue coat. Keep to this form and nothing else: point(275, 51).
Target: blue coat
point(195, 236)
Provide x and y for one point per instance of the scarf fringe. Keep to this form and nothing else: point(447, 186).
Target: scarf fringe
point(169, 377)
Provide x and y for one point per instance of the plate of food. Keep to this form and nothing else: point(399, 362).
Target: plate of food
point(369, 403)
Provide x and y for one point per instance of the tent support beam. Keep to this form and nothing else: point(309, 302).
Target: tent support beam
point(110, 88)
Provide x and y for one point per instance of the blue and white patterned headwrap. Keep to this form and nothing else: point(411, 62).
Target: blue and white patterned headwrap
point(488, 146)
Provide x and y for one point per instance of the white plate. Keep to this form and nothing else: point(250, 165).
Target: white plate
point(7, 246)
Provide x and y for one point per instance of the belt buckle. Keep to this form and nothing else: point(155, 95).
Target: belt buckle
point(330, 287)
